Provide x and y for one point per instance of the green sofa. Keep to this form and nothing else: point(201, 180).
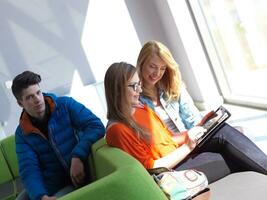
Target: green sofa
point(116, 176)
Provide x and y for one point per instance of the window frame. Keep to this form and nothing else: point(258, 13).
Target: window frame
point(215, 62)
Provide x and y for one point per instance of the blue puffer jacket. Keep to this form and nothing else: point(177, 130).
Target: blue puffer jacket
point(183, 113)
point(44, 164)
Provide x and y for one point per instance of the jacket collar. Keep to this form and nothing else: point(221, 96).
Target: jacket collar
point(25, 122)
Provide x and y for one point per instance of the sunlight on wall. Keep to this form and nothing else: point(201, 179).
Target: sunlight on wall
point(109, 36)
point(91, 96)
point(43, 44)
point(76, 85)
point(196, 55)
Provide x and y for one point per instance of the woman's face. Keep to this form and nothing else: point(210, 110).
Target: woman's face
point(153, 71)
point(134, 90)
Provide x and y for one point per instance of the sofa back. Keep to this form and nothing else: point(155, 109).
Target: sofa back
point(7, 190)
point(9, 150)
point(10, 184)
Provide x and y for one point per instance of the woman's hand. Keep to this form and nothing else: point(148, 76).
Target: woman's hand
point(180, 138)
point(193, 135)
point(196, 132)
point(187, 142)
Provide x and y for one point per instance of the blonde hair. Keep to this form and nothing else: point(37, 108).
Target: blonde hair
point(171, 81)
point(116, 79)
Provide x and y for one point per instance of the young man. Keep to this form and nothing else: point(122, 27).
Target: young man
point(53, 139)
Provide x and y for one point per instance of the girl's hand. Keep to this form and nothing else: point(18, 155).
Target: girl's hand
point(196, 132)
point(193, 135)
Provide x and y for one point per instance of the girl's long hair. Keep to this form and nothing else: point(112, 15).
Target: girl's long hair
point(171, 81)
point(119, 106)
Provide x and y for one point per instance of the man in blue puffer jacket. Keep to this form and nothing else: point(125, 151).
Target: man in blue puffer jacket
point(53, 139)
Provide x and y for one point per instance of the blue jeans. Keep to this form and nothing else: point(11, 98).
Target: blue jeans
point(23, 195)
point(227, 151)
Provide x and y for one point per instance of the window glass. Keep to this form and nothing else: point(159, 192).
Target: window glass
point(238, 29)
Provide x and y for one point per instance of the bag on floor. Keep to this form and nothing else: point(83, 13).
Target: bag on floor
point(180, 185)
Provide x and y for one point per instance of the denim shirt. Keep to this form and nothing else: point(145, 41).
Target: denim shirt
point(182, 112)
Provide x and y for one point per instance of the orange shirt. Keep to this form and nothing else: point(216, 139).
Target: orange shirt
point(120, 136)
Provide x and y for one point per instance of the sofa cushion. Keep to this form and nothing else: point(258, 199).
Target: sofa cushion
point(240, 186)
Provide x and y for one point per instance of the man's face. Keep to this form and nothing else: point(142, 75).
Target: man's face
point(32, 100)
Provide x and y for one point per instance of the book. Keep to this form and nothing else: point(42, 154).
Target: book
point(212, 122)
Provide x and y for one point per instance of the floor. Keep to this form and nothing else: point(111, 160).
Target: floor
point(253, 123)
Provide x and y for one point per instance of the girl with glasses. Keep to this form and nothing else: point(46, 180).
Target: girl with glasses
point(135, 128)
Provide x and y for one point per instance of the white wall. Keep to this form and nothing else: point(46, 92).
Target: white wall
point(66, 39)
point(191, 55)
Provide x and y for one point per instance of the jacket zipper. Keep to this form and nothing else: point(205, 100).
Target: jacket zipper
point(53, 145)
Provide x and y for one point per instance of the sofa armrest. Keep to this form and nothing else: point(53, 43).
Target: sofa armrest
point(127, 183)
point(119, 177)
point(130, 174)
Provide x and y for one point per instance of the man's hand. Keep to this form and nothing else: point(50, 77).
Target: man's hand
point(77, 173)
point(45, 197)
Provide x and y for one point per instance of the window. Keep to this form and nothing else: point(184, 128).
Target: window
point(234, 33)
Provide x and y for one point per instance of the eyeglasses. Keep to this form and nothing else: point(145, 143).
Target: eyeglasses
point(135, 85)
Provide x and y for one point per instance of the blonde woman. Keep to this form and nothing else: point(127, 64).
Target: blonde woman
point(163, 89)
point(164, 92)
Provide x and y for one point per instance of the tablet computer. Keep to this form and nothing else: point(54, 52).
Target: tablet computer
point(212, 122)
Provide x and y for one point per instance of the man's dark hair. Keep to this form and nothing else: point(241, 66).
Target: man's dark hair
point(23, 81)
